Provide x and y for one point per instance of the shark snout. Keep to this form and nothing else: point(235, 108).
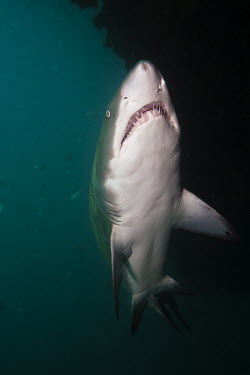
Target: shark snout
point(142, 82)
point(145, 65)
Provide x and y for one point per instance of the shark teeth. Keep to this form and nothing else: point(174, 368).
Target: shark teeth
point(154, 109)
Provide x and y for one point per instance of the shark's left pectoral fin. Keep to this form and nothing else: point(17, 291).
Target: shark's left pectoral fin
point(196, 216)
point(120, 252)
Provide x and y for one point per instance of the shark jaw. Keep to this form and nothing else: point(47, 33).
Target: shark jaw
point(143, 115)
point(142, 99)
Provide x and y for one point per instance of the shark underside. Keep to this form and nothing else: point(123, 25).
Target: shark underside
point(136, 198)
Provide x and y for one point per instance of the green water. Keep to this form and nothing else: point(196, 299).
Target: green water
point(56, 303)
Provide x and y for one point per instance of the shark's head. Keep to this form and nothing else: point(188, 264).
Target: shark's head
point(142, 97)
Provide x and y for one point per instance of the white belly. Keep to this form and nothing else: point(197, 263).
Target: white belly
point(145, 184)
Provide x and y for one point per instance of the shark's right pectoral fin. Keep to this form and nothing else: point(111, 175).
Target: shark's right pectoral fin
point(196, 216)
point(120, 252)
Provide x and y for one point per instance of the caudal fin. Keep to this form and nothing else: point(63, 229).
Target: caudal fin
point(161, 300)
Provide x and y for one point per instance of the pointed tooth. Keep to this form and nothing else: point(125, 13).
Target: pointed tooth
point(137, 116)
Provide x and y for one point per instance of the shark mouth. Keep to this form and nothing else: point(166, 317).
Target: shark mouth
point(153, 109)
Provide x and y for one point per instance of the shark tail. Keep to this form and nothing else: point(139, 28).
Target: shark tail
point(160, 299)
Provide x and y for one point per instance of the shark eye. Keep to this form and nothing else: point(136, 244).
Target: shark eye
point(108, 114)
point(125, 97)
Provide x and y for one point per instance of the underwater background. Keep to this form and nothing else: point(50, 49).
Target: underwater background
point(60, 63)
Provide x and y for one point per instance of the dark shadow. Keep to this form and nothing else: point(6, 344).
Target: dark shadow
point(205, 264)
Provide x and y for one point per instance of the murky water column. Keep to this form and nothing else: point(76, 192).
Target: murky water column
point(56, 77)
point(56, 303)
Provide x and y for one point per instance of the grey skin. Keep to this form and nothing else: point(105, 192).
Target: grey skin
point(136, 197)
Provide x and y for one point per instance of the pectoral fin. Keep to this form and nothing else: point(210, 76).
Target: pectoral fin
point(196, 216)
point(120, 252)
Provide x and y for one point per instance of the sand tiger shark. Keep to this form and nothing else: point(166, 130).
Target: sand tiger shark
point(136, 197)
